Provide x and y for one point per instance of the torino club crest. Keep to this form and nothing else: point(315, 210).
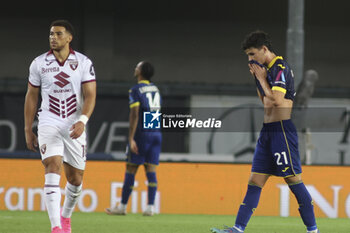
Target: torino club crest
point(73, 64)
point(43, 148)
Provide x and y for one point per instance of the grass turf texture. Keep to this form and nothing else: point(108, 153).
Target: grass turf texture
point(38, 222)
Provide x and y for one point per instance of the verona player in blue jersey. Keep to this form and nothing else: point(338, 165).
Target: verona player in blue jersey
point(276, 151)
point(144, 144)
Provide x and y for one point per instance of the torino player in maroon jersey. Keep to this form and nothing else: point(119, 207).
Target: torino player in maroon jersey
point(66, 80)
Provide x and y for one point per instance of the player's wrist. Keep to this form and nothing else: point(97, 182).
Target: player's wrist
point(84, 119)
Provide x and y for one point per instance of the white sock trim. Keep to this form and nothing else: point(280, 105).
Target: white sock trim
point(52, 179)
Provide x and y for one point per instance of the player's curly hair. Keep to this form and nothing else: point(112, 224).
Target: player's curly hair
point(64, 23)
point(257, 39)
point(147, 70)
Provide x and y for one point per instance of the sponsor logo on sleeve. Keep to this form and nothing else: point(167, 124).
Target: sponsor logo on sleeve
point(92, 70)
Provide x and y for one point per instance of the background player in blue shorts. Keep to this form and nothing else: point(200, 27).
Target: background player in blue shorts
point(144, 144)
point(276, 151)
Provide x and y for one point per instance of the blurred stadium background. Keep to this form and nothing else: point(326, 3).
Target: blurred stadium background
point(195, 47)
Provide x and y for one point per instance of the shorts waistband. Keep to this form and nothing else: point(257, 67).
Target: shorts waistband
point(277, 123)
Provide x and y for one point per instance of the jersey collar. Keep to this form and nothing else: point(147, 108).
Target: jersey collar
point(144, 81)
point(51, 57)
point(273, 61)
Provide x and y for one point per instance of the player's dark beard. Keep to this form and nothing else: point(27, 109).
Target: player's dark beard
point(57, 48)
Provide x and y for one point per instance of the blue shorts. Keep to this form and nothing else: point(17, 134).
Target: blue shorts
point(276, 151)
point(149, 146)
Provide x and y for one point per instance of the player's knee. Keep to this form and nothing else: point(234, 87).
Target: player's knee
point(258, 180)
point(257, 183)
point(52, 165)
point(293, 179)
point(150, 168)
point(52, 169)
point(75, 180)
point(131, 168)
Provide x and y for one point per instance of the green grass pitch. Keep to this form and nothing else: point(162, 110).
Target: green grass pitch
point(38, 222)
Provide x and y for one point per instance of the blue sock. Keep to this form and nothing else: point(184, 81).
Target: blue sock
point(248, 206)
point(152, 187)
point(306, 207)
point(127, 187)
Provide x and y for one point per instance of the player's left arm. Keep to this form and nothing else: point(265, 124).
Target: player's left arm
point(133, 119)
point(275, 96)
point(89, 94)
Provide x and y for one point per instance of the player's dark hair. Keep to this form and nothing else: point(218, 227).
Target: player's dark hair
point(257, 39)
point(147, 70)
point(63, 23)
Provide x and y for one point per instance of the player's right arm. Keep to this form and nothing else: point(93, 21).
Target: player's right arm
point(30, 107)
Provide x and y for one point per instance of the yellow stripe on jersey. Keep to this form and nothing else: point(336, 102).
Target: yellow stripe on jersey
point(281, 89)
point(273, 61)
point(295, 183)
point(152, 184)
point(134, 104)
point(144, 81)
point(290, 155)
point(152, 164)
point(252, 184)
point(129, 158)
point(280, 65)
point(261, 173)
